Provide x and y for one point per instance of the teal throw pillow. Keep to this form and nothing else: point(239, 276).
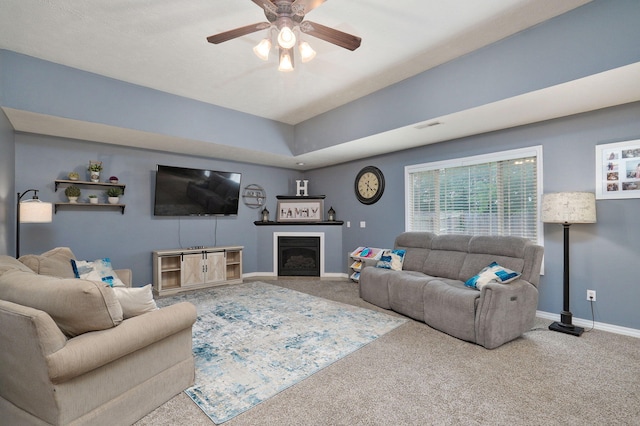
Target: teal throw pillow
point(391, 259)
point(492, 273)
point(98, 270)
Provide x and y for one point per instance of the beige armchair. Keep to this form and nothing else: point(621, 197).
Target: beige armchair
point(113, 374)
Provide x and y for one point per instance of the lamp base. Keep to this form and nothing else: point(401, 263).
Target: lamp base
point(566, 328)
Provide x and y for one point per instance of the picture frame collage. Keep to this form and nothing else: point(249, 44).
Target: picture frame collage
point(618, 170)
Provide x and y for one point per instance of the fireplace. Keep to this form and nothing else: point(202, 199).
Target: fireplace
point(299, 256)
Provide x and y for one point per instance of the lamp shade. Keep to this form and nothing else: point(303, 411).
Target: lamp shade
point(569, 207)
point(306, 51)
point(35, 211)
point(262, 49)
point(286, 60)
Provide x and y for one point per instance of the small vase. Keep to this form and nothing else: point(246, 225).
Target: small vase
point(93, 200)
point(94, 176)
point(113, 200)
point(73, 200)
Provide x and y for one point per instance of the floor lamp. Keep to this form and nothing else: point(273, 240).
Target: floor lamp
point(31, 211)
point(568, 208)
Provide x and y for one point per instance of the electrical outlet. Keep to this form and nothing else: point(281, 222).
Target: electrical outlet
point(591, 295)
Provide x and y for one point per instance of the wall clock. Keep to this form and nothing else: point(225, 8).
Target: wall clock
point(369, 185)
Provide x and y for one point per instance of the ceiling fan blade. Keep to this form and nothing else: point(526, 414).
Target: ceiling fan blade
point(305, 6)
point(238, 32)
point(331, 35)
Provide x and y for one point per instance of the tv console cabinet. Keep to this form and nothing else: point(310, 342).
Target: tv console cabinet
point(180, 270)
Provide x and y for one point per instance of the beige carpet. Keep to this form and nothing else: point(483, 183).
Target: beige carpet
point(417, 375)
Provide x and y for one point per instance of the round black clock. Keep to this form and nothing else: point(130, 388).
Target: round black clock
point(369, 185)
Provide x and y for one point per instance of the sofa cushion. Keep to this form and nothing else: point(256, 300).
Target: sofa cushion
point(136, 300)
point(451, 242)
point(447, 256)
point(444, 263)
point(499, 245)
point(451, 307)
point(98, 270)
point(55, 262)
point(405, 294)
point(417, 246)
point(391, 259)
point(77, 306)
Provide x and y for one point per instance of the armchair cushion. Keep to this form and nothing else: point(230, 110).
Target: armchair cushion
point(55, 262)
point(77, 306)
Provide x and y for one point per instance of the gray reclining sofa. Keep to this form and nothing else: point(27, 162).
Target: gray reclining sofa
point(431, 285)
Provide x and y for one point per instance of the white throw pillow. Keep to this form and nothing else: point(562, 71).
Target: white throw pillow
point(135, 300)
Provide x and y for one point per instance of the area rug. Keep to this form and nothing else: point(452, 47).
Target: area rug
point(253, 340)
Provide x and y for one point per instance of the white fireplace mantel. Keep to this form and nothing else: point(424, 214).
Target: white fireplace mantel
point(334, 258)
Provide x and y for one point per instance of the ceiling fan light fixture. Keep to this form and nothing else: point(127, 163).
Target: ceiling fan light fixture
point(306, 51)
point(286, 60)
point(262, 49)
point(286, 37)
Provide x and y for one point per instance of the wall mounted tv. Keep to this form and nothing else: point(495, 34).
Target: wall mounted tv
point(181, 191)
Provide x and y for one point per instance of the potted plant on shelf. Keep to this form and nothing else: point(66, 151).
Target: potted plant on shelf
point(73, 176)
point(113, 195)
point(95, 167)
point(72, 192)
point(93, 199)
point(113, 179)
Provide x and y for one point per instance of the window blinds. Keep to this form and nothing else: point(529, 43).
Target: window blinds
point(490, 198)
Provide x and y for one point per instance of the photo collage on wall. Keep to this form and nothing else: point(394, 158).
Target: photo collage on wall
point(619, 170)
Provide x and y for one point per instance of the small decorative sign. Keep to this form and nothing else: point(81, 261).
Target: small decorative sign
point(302, 210)
point(302, 187)
point(618, 170)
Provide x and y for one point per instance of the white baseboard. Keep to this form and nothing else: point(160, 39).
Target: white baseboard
point(587, 324)
point(273, 274)
point(335, 275)
point(259, 274)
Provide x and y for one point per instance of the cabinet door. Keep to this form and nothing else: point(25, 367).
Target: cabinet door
point(192, 269)
point(215, 267)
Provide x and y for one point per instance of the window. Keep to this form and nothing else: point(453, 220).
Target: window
point(494, 194)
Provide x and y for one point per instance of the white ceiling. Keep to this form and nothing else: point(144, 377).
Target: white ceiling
point(162, 45)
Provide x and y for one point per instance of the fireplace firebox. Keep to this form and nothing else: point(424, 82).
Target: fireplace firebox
point(299, 256)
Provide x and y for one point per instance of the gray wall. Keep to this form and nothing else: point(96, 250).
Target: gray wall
point(7, 185)
point(604, 255)
point(129, 239)
point(43, 87)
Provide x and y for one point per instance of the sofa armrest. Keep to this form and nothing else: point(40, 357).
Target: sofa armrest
point(505, 312)
point(95, 349)
point(125, 275)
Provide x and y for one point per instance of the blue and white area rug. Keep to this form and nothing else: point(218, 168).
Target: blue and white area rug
point(254, 340)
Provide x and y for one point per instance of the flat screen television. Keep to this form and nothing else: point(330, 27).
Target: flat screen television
point(182, 191)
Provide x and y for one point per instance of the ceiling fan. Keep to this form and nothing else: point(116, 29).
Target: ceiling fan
point(287, 17)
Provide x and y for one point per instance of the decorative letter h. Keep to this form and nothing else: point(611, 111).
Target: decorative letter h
point(301, 187)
